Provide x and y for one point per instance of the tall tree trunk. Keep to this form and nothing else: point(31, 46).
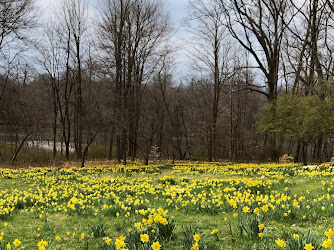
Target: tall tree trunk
point(84, 154)
point(67, 91)
point(79, 114)
point(19, 148)
point(304, 153)
point(297, 154)
point(54, 136)
point(119, 151)
point(111, 142)
point(123, 142)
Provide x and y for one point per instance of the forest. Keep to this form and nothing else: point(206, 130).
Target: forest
point(100, 83)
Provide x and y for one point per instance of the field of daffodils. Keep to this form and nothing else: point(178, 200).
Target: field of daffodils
point(187, 205)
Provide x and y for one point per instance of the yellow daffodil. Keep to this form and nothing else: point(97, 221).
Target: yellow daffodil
point(327, 243)
point(156, 245)
point(280, 242)
point(107, 240)
point(195, 246)
point(16, 242)
point(144, 238)
point(329, 233)
point(309, 246)
point(197, 237)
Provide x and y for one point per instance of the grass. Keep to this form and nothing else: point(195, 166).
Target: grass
point(38, 156)
point(198, 196)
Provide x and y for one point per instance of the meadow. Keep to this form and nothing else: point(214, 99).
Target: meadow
point(186, 205)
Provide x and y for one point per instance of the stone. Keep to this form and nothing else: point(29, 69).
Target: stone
point(332, 161)
point(286, 158)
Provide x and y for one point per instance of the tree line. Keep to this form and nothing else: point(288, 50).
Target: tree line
point(101, 80)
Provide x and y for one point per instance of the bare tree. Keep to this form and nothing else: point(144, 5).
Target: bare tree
point(16, 17)
point(50, 58)
point(331, 5)
point(259, 27)
point(213, 53)
point(131, 31)
point(75, 17)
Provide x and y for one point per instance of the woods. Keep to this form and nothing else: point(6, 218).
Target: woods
point(101, 81)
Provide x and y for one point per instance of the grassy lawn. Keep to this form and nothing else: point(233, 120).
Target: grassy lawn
point(245, 206)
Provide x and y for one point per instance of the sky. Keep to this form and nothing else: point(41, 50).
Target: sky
point(178, 11)
point(178, 8)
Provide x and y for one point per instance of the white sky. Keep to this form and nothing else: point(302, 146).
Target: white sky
point(178, 8)
point(178, 11)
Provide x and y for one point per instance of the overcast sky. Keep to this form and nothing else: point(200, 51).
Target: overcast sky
point(178, 8)
point(178, 11)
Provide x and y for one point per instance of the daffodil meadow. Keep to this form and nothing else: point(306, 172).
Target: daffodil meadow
point(186, 205)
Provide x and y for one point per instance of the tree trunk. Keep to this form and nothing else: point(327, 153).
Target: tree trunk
point(304, 153)
point(111, 142)
point(79, 102)
point(297, 154)
point(54, 155)
point(19, 148)
point(84, 154)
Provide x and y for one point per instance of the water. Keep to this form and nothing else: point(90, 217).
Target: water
point(48, 145)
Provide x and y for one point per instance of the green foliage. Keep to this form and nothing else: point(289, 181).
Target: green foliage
point(188, 236)
point(297, 117)
point(250, 227)
point(98, 230)
point(300, 242)
point(166, 231)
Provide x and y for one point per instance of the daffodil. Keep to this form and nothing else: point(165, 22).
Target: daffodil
point(195, 246)
point(265, 208)
point(197, 237)
point(246, 209)
point(327, 243)
point(16, 242)
point(280, 242)
point(144, 238)
point(309, 246)
point(107, 240)
point(42, 244)
point(156, 245)
point(295, 236)
point(329, 233)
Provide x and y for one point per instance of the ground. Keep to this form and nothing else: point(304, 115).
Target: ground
point(188, 205)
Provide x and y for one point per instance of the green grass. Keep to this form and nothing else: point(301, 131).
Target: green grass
point(24, 222)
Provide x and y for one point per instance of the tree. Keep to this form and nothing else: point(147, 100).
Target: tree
point(331, 5)
point(212, 51)
point(131, 33)
point(16, 18)
point(50, 58)
point(259, 27)
point(303, 118)
point(75, 17)
point(308, 56)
